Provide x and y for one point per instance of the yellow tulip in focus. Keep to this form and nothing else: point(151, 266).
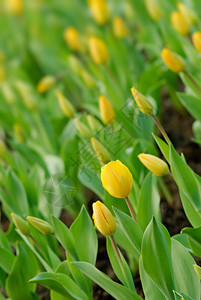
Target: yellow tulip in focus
point(100, 151)
point(106, 110)
point(103, 219)
point(87, 79)
point(154, 164)
point(41, 225)
point(116, 179)
point(45, 84)
point(99, 11)
point(179, 23)
point(173, 61)
point(142, 102)
point(98, 51)
point(71, 36)
point(82, 128)
point(66, 106)
point(15, 7)
point(187, 13)
point(154, 9)
point(21, 225)
point(120, 28)
point(196, 38)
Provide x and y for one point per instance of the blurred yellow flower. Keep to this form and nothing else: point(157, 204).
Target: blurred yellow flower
point(99, 11)
point(120, 28)
point(94, 124)
point(179, 23)
point(187, 13)
point(106, 110)
point(103, 219)
point(100, 151)
point(71, 36)
point(196, 38)
point(156, 165)
point(88, 79)
point(98, 51)
point(142, 102)
point(117, 179)
point(173, 61)
point(45, 84)
point(82, 128)
point(65, 105)
point(154, 9)
point(15, 7)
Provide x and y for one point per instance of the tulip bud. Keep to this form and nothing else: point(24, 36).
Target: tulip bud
point(41, 225)
point(142, 102)
point(19, 134)
point(21, 224)
point(94, 124)
point(117, 179)
point(107, 113)
point(103, 219)
point(74, 63)
point(100, 151)
point(82, 128)
point(188, 14)
point(66, 106)
point(99, 11)
point(179, 23)
point(154, 9)
point(154, 164)
point(98, 50)
point(87, 79)
point(15, 7)
point(120, 28)
point(45, 84)
point(197, 270)
point(71, 36)
point(173, 61)
point(196, 37)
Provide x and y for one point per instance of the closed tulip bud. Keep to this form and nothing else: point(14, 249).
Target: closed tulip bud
point(179, 23)
point(45, 84)
point(196, 37)
point(71, 36)
point(103, 219)
point(15, 7)
point(120, 28)
point(154, 9)
point(41, 225)
point(94, 124)
point(82, 128)
point(173, 61)
point(187, 13)
point(88, 79)
point(99, 11)
point(197, 270)
point(142, 102)
point(156, 165)
point(100, 151)
point(66, 106)
point(19, 134)
point(116, 179)
point(98, 51)
point(107, 113)
point(21, 224)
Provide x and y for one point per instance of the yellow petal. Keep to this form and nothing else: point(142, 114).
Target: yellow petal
point(156, 165)
point(173, 61)
point(142, 102)
point(106, 110)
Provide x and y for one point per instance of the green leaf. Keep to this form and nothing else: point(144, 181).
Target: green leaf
point(194, 239)
point(60, 283)
point(124, 275)
point(116, 290)
point(156, 257)
point(163, 146)
point(149, 201)
point(7, 260)
point(131, 229)
point(192, 104)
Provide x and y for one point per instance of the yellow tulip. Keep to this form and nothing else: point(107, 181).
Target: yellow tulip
point(116, 179)
point(179, 23)
point(88, 79)
point(196, 37)
point(66, 106)
point(120, 28)
point(106, 110)
point(21, 225)
point(45, 84)
point(71, 36)
point(103, 219)
point(94, 124)
point(98, 51)
point(142, 102)
point(99, 11)
point(154, 9)
point(15, 7)
point(187, 13)
point(82, 128)
point(41, 225)
point(156, 165)
point(173, 61)
point(100, 151)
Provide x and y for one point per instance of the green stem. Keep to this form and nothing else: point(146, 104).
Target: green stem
point(193, 82)
point(131, 209)
point(162, 130)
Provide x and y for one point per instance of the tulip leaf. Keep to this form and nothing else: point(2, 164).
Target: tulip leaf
point(192, 104)
point(7, 260)
point(187, 81)
point(194, 239)
point(156, 257)
point(149, 201)
point(163, 147)
point(115, 289)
